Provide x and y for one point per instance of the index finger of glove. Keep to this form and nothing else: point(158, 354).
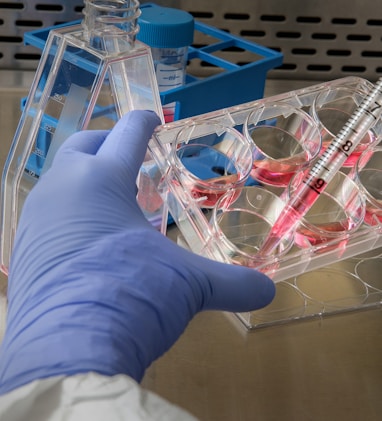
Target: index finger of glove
point(86, 141)
point(127, 142)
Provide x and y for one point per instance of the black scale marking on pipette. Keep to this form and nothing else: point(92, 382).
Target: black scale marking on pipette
point(340, 148)
point(317, 184)
point(370, 113)
point(312, 187)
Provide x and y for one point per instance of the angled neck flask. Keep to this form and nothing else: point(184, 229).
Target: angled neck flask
point(89, 75)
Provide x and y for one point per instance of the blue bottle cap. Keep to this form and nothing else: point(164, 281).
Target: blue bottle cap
point(164, 27)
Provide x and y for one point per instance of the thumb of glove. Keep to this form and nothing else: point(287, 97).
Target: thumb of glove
point(217, 285)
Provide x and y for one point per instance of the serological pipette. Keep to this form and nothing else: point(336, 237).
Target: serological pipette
point(320, 174)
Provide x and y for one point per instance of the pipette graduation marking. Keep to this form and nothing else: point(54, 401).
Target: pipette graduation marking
point(317, 178)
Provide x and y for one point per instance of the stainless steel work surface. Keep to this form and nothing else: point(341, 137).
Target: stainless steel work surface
point(318, 369)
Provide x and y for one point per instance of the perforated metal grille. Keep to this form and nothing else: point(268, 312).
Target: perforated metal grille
point(17, 17)
point(323, 39)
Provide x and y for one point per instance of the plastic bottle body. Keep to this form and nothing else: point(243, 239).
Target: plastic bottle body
point(168, 32)
point(89, 75)
point(170, 69)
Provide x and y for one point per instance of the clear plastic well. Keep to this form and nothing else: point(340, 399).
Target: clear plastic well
point(201, 229)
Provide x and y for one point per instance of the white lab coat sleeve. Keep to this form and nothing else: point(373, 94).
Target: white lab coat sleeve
point(88, 396)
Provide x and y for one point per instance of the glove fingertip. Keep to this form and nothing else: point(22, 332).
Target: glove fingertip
point(240, 289)
point(127, 142)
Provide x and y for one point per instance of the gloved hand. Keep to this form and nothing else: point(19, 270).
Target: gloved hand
point(92, 285)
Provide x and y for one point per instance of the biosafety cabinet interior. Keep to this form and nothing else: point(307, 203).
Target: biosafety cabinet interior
point(318, 41)
point(314, 368)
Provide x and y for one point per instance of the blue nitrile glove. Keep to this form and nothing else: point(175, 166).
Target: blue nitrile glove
point(92, 285)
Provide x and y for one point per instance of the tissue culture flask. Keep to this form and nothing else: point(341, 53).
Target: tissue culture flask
point(89, 76)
